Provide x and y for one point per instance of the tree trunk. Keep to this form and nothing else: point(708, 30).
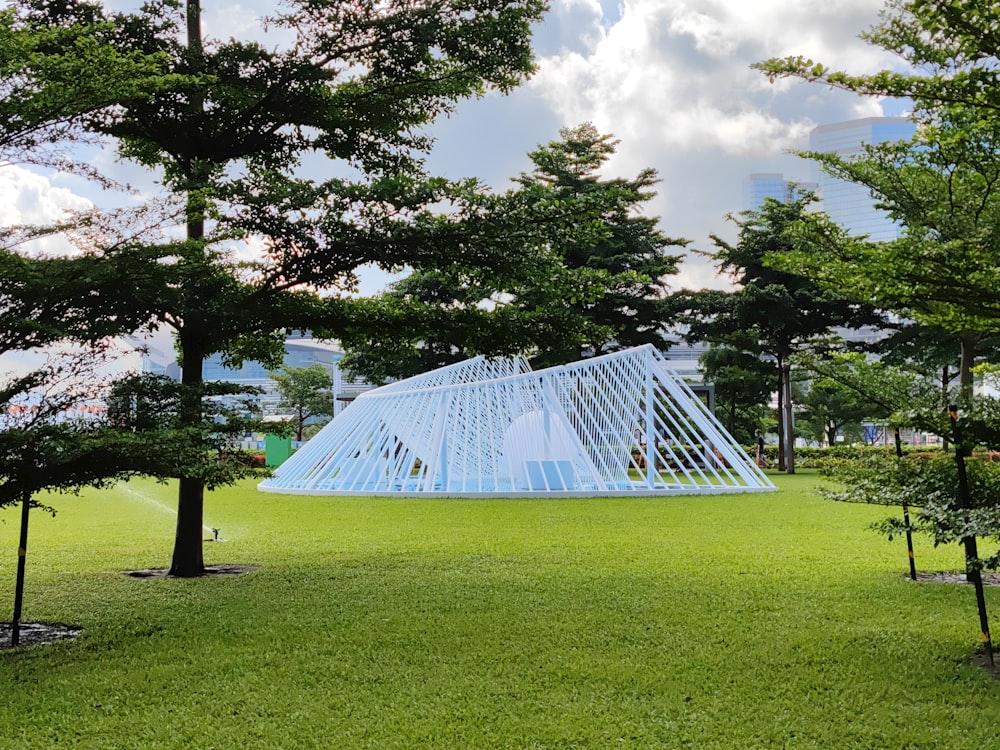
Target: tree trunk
point(965, 394)
point(965, 366)
point(22, 552)
point(188, 561)
point(973, 573)
point(898, 439)
point(781, 415)
point(789, 422)
point(945, 380)
point(194, 41)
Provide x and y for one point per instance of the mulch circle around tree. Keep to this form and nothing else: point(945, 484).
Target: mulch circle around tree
point(35, 633)
point(955, 576)
point(211, 571)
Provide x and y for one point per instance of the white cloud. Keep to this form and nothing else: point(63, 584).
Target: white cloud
point(713, 32)
point(27, 198)
point(678, 72)
point(572, 25)
point(672, 80)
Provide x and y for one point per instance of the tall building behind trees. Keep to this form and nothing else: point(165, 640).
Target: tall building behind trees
point(758, 186)
point(847, 203)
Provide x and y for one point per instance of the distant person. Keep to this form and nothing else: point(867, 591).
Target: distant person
point(639, 451)
point(760, 449)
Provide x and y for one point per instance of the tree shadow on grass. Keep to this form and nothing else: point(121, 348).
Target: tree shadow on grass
point(989, 579)
point(36, 633)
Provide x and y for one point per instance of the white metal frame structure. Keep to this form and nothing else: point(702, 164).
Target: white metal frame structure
point(619, 424)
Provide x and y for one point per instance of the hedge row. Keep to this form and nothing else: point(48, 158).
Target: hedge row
point(808, 457)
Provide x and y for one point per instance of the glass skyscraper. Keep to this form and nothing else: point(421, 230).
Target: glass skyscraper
point(848, 204)
point(760, 185)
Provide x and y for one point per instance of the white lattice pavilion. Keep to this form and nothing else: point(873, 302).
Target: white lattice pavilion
point(619, 424)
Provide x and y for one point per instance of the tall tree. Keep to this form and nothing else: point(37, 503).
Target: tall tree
point(357, 84)
point(944, 185)
point(51, 78)
point(780, 311)
point(617, 259)
point(944, 189)
point(306, 391)
point(633, 251)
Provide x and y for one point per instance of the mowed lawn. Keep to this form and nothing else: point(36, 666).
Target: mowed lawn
point(750, 621)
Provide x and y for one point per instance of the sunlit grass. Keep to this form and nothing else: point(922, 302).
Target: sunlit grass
point(743, 621)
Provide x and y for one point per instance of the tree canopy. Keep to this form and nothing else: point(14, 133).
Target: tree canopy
point(53, 76)
point(608, 271)
point(948, 49)
point(943, 188)
point(943, 268)
point(743, 383)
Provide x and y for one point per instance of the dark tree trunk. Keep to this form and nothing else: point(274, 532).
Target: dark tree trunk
point(188, 560)
point(906, 512)
point(965, 392)
point(22, 552)
point(788, 421)
point(973, 573)
point(781, 415)
point(945, 380)
point(961, 452)
point(966, 364)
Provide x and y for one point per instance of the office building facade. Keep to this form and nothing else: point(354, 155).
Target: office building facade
point(848, 204)
point(758, 186)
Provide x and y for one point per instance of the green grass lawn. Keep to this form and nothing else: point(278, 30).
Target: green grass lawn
point(747, 621)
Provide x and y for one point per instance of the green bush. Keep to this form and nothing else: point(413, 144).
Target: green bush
point(818, 457)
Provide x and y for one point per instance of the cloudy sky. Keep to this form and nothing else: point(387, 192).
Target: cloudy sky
point(669, 78)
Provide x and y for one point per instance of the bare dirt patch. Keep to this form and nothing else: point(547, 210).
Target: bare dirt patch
point(955, 576)
point(35, 633)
